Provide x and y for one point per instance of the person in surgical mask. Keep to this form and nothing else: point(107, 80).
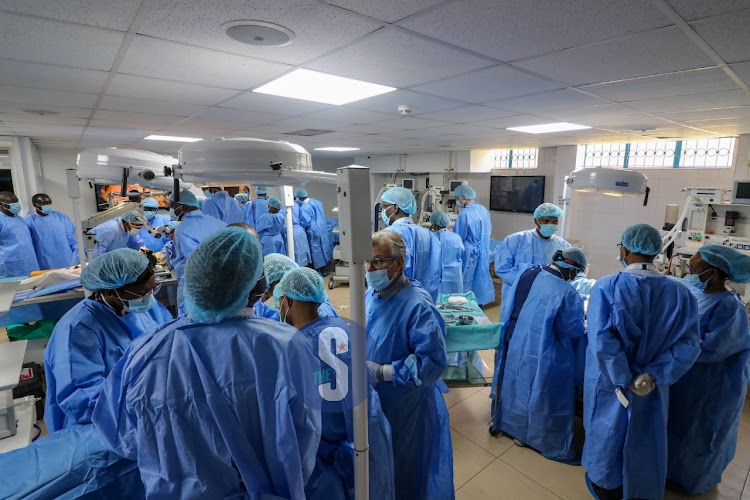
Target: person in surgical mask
point(91, 337)
point(16, 257)
point(475, 227)
point(406, 356)
point(118, 233)
point(535, 247)
point(705, 405)
point(152, 239)
point(53, 233)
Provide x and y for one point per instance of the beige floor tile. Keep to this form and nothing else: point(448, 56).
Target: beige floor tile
point(730, 488)
point(742, 454)
point(566, 481)
point(746, 489)
point(500, 481)
point(458, 394)
point(471, 418)
point(468, 459)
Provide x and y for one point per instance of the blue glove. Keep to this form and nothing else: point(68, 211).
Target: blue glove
point(372, 372)
point(411, 364)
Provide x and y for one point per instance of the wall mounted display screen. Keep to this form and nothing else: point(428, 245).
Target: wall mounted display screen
point(103, 191)
point(516, 193)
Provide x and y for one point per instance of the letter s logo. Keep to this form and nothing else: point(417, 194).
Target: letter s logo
point(328, 355)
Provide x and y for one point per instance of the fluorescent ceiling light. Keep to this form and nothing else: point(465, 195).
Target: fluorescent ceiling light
point(172, 138)
point(337, 149)
point(320, 87)
point(549, 127)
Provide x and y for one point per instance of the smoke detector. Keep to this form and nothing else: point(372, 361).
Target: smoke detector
point(405, 109)
point(258, 33)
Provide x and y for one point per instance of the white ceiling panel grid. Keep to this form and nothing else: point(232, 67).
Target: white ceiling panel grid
point(113, 14)
point(468, 114)
point(547, 101)
point(137, 105)
point(388, 103)
point(164, 90)
point(242, 116)
point(690, 10)
point(38, 98)
point(727, 35)
point(707, 100)
point(743, 71)
point(348, 115)
point(265, 103)
point(45, 76)
point(385, 10)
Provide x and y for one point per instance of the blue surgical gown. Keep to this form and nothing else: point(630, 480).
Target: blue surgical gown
point(16, 257)
point(224, 207)
point(519, 251)
point(705, 405)
point(215, 411)
point(54, 237)
point(302, 255)
point(317, 232)
point(194, 226)
point(424, 258)
point(84, 347)
point(272, 233)
point(474, 227)
point(323, 224)
point(254, 210)
point(263, 311)
point(408, 323)
point(333, 477)
point(150, 241)
point(111, 236)
point(535, 367)
point(638, 322)
point(452, 250)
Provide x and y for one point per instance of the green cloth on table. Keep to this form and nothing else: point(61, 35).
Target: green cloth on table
point(460, 338)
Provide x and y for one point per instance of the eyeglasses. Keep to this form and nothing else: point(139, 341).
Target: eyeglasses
point(154, 291)
point(379, 262)
point(620, 246)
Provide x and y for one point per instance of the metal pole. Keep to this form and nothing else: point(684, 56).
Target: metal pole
point(74, 192)
point(565, 206)
point(287, 199)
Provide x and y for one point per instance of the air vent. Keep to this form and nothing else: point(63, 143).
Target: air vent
point(309, 132)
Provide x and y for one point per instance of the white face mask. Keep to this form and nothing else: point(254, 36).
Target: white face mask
point(134, 231)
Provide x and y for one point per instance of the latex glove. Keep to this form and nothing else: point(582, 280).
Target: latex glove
point(411, 363)
point(643, 384)
point(372, 372)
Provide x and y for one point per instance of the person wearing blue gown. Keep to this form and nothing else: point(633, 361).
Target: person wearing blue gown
point(533, 387)
point(302, 254)
point(642, 337)
point(300, 293)
point(406, 356)
point(223, 207)
point(118, 233)
point(16, 257)
point(474, 227)
point(91, 337)
point(220, 403)
point(312, 218)
point(424, 258)
point(535, 247)
point(242, 198)
point(53, 234)
point(152, 239)
point(452, 251)
point(194, 226)
point(705, 405)
point(257, 207)
point(271, 228)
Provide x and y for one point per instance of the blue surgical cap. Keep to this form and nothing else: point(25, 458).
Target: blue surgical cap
point(113, 270)
point(401, 197)
point(300, 193)
point(172, 225)
point(735, 264)
point(440, 219)
point(276, 265)
point(220, 273)
point(547, 210)
point(132, 218)
point(464, 192)
point(261, 190)
point(575, 255)
point(274, 202)
point(642, 239)
point(303, 284)
point(186, 198)
point(241, 197)
point(150, 203)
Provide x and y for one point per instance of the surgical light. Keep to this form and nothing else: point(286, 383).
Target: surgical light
point(609, 181)
point(549, 127)
point(314, 86)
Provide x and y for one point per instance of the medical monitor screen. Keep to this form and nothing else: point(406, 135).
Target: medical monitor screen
point(516, 193)
point(104, 190)
point(742, 191)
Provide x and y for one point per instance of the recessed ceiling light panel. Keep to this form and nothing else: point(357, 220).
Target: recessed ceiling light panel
point(258, 33)
point(321, 87)
point(546, 128)
point(337, 149)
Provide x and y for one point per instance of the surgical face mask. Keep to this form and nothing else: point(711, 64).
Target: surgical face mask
point(547, 230)
point(694, 280)
point(14, 208)
point(208, 194)
point(46, 209)
point(139, 305)
point(378, 279)
point(460, 205)
point(134, 230)
point(384, 216)
point(272, 303)
point(149, 215)
point(621, 262)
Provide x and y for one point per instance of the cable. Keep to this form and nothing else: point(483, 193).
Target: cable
point(38, 433)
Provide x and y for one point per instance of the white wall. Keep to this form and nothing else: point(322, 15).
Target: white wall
point(53, 163)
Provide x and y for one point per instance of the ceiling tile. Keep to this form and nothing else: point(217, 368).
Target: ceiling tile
point(693, 102)
point(43, 76)
point(130, 118)
point(408, 123)
point(367, 129)
point(134, 105)
point(510, 30)
point(164, 90)
point(388, 103)
point(51, 42)
point(547, 101)
point(174, 61)
point(38, 98)
point(395, 58)
point(654, 52)
point(589, 112)
point(682, 83)
point(709, 114)
point(303, 122)
point(350, 115)
point(201, 128)
point(512, 121)
point(42, 119)
point(727, 35)
point(467, 114)
point(34, 130)
point(489, 84)
point(634, 122)
point(690, 10)
point(386, 10)
point(114, 14)
point(241, 116)
point(265, 103)
point(117, 133)
point(318, 27)
point(743, 71)
point(19, 107)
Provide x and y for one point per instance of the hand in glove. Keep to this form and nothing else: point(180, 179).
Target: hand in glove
point(642, 385)
point(372, 372)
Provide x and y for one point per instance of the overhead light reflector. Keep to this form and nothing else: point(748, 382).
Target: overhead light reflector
point(549, 127)
point(172, 138)
point(319, 87)
point(336, 149)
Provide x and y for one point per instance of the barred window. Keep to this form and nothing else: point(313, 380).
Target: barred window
point(692, 153)
point(516, 158)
